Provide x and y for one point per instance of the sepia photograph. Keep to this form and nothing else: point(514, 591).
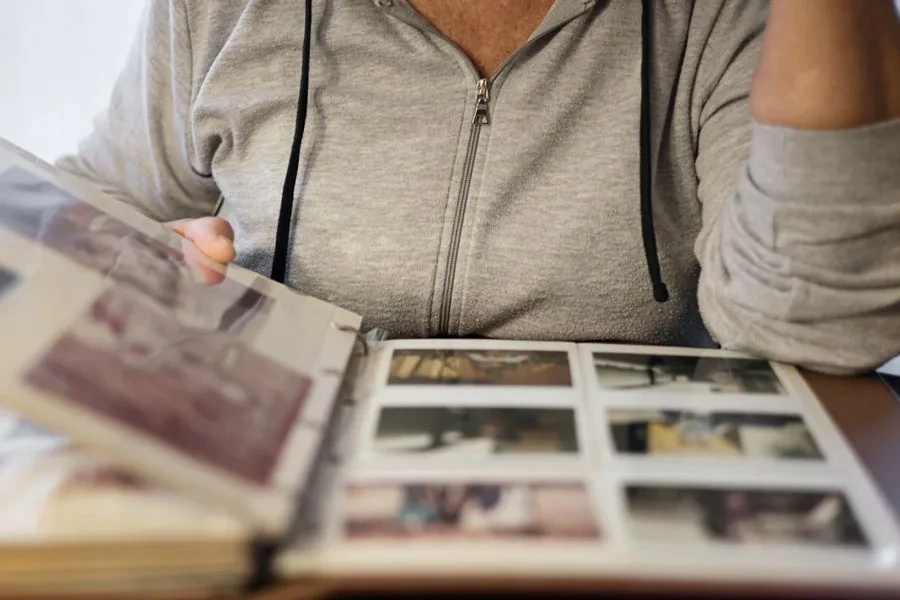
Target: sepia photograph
point(685, 374)
point(720, 434)
point(8, 281)
point(480, 367)
point(468, 511)
point(208, 394)
point(42, 212)
point(475, 431)
point(749, 517)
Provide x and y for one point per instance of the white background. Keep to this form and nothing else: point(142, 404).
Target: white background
point(58, 62)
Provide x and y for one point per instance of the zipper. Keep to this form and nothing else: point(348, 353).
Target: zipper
point(479, 120)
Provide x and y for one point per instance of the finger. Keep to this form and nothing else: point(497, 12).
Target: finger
point(213, 236)
point(207, 246)
point(203, 268)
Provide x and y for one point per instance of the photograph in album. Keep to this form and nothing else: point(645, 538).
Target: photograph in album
point(722, 434)
point(480, 367)
point(469, 510)
point(674, 374)
point(751, 517)
point(42, 212)
point(475, 431)
point(209, 394)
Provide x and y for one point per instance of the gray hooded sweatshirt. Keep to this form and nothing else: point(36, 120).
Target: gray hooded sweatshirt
point(779, 242)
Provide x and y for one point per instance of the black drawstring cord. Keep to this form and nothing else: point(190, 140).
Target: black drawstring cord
point(660, 292)
point(283, 232)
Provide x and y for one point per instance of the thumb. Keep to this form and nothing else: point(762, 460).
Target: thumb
point(213, 236)
point(207, 246)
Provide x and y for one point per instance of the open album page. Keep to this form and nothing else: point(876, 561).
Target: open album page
point(514, 459)
point(214, 381)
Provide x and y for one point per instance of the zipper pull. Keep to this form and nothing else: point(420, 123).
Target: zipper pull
point(482, 96)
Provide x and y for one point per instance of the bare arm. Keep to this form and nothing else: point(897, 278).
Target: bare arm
point(828, 64)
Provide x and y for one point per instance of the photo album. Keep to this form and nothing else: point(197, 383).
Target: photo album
point(162, 429)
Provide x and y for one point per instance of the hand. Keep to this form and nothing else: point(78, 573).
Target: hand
point(208, 245)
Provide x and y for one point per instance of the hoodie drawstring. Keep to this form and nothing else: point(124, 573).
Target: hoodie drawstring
point(285, 215)
point(648, 233)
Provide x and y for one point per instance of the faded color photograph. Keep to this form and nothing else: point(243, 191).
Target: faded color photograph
point(44, 213)
point(470, 431)
point(8, 281)
point(685, 374)
point(480, 367)
point(208, 394)
point(468, 511)
point(720, 434)
point(51, 491)
point(748, 517)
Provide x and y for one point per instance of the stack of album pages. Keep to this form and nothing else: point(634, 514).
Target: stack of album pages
point(163, 416)
point(68, 521)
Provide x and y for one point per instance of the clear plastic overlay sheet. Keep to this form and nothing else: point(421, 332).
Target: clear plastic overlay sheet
point(211, 380)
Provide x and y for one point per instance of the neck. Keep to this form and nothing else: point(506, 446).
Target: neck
point(487, 31)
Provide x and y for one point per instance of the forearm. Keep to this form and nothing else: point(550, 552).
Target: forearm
point(828, 64)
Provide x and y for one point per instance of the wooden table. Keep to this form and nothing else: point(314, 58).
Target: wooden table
point(863, 408)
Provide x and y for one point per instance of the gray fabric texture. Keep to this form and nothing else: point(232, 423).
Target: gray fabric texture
point(778, 242)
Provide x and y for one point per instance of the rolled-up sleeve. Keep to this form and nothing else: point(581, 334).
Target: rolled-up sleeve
point(800, 243)
point(803, 262)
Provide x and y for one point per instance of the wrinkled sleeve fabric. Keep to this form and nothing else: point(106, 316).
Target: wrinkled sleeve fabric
point(800, 256)
point(141, 150)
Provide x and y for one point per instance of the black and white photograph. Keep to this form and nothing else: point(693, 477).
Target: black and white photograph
point(480, 367)
point(750, 517)
point(8, 281)
point(685, 374)
point(469, 431)
point(718, 434)
point(469, 510)
point(44, 213)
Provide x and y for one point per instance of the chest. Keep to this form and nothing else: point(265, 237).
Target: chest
point(412, 215)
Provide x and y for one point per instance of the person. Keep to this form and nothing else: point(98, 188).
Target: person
point(657, 171)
